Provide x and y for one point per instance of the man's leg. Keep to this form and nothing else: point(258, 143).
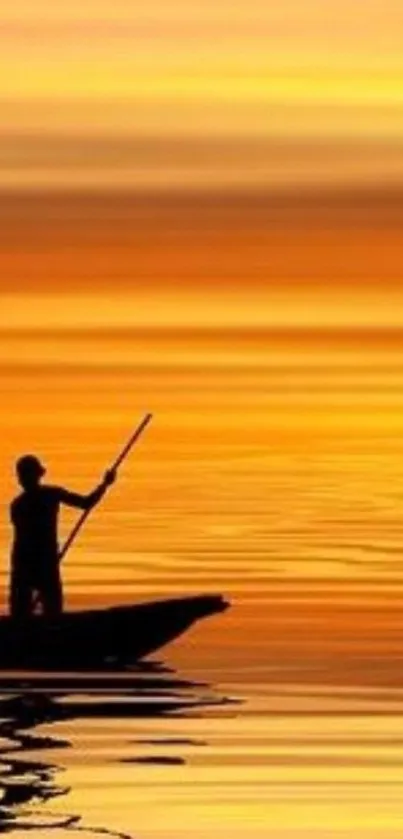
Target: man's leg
point(51, 593)
point(20, 598)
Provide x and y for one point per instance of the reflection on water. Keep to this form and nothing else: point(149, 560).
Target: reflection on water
point(29, 786)
point(150, 755)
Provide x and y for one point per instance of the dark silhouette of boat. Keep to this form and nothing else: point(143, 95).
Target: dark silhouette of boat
point(85, 640)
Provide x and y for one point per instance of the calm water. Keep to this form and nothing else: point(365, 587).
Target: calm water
point(273, 474)
point(151, 754)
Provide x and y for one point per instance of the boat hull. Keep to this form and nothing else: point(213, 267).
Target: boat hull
point(101, 637)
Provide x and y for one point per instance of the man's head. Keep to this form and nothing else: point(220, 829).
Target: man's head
point(29, 471)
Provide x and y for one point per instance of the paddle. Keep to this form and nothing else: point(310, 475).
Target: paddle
point(115, 466)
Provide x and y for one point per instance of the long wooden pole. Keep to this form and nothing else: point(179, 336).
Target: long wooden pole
point(123, 454)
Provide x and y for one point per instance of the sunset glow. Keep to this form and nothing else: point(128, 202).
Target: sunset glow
point(201, 213)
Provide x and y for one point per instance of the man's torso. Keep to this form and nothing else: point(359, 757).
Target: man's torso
point(35, 516)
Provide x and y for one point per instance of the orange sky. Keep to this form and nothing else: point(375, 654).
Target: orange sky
point(171, 96)
point(219, 261)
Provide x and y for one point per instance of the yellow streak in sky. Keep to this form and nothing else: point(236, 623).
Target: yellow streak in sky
point(299, 52)
point(243, 308)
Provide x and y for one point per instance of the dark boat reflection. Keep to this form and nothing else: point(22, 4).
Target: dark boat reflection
point(26, 784)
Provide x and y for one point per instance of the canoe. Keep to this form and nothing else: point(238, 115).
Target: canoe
point(94, 638)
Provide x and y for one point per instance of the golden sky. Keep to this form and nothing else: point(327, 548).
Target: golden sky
point(167, 95)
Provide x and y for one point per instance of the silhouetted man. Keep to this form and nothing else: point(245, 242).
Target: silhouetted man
point(35, 567)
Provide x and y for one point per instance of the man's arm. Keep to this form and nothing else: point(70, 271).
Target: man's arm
point(86, 502)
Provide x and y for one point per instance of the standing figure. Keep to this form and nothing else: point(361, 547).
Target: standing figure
point(35, 565)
